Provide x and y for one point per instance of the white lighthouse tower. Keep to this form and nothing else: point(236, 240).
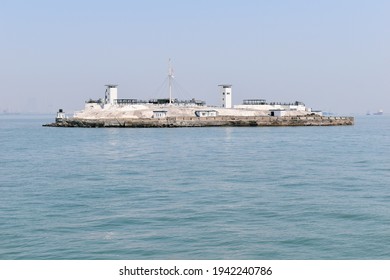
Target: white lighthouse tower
point(60, 116)
point(226, 91)
point(111, 94)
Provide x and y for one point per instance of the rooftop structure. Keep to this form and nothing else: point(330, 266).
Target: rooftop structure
point(254, 102)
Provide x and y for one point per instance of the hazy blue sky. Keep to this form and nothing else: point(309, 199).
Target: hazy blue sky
point(332, 55)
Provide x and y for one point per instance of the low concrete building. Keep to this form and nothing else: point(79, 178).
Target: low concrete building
point(159, 114)
point(206, 113)
point(278, 113)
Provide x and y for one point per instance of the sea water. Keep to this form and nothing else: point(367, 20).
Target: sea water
point(194, 193)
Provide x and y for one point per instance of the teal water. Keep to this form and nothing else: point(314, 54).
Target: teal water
point(194, 193)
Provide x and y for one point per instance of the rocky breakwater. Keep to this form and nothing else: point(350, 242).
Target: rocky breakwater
point(309, 120)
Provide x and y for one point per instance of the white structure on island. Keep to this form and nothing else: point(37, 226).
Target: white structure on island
point(277, 109)
point(60, 115)
point(164, 108)
point(112, 107)
point(158, 114)
point(206, 113)
point(278, 112)
point(226, 91)
point(111, 94)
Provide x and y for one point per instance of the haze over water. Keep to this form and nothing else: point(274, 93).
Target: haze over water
point(194, 193)
point(331, 55)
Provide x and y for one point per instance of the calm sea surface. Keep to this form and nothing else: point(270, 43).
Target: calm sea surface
point(194, 193)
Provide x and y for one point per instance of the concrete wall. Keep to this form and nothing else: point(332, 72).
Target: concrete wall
point(208, 121)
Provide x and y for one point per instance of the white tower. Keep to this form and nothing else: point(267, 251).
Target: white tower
point(60, 116)
point(111, 94)
point(226, 91)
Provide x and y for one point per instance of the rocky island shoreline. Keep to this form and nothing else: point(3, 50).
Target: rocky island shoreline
point(311, 120)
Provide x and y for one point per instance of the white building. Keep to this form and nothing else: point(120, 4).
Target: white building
point(60, 115)
point(276, 108)
point(226, 91)
point(206, 113)
point(111, 94)
point(278, 112)
point(159, 114)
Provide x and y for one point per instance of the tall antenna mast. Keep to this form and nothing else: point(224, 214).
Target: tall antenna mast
point(170, 77)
